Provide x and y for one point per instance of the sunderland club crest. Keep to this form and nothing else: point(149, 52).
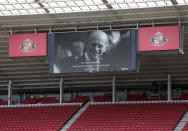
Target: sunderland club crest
point(158, 39)
point(27, 46)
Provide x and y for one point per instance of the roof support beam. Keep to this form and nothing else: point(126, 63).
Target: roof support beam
point(42, 6)
point(174, 2)
point(107, 4)
point(179, 9)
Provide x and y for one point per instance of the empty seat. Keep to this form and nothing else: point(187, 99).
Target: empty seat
point(2, 102)
point(185, 128)
point(43, 100)
point(135, 97)
point(104, 98)
point(78, 99)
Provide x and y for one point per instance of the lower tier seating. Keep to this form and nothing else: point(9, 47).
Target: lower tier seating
point(35, 118)
point(185, 128)
point(130, 117)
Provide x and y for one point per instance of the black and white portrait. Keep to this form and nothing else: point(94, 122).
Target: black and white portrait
point(93, 51)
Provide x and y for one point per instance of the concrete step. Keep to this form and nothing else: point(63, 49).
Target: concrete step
point(75, 116)
point(182, 122)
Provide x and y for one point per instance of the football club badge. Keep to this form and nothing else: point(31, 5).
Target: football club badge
point(158, 39)
point(27, 46)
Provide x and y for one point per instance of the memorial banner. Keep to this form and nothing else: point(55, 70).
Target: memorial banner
point(93, 51)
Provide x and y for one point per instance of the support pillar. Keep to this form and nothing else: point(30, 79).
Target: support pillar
point(10, 92)
point(125, 92)
point(169, 87)
point(61, 91)
point(113, 89)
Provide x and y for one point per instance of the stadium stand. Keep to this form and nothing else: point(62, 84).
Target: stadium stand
point(158, 80)
point(36, 118)
point(130, 117)
point(2, 102)
point(78, 99)
point(44, 100)
point(104, 98)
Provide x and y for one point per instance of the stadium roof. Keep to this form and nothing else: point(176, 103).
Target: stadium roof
point(26, 7)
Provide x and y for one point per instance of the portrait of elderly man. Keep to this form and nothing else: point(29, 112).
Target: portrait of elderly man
point(96, 46)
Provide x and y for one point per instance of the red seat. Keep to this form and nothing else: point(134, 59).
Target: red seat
point(130, 117)
point(35, 117)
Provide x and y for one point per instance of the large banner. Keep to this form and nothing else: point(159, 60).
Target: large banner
point(159, 38)
point(93, 51)
point(33, 44)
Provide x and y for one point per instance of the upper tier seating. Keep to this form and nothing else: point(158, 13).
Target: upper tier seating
point(43, 100)
point(2, 102)
point(140, 97)
point(183, 97)
point(104, 98)
point(78, 99)
point(156, 99)
point(130, 117)
point(135, 97)
point(35, 118)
